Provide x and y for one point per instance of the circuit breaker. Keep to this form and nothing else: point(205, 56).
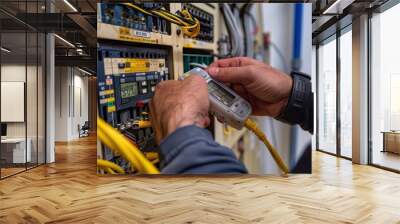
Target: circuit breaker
point(124, 15)
point(127, 76)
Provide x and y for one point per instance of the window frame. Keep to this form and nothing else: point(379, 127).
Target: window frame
point(381, 9)
point(334, 37)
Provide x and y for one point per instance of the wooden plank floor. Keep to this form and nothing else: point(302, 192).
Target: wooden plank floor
point(70, 192)
point(11, 170)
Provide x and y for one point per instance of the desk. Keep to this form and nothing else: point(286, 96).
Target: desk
point(391, 141)
point(13, 150)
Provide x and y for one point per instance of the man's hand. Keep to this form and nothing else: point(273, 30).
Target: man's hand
point(179, 103)
point(266, 88)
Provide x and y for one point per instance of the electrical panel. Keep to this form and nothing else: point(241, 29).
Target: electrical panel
point(136, 51)
point(127, 76)
point(125, 16)
point(206, 22)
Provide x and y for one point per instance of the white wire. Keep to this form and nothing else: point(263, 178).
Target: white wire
point(248, 27)
point(237, 23)
point(229, 26)
point(203, 66)
point(232, 30)
point(239, 36)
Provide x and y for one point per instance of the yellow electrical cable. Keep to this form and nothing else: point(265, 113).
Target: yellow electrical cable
point(151, 155)
point(186, 24)
point(189, 16)
point(227, 130)
point(125, 148)
point(160, 14)
point(186, 27)
point(170, 16)
point(155, 161)
point(151, 13)
point(118, 143)
point(252, 126)
point(109, 170)
point(107, 140)
point(190, 30)
point(106, 165)
point(138, 8)
point(143, 124)
point(176, 17)
point(111, 144)
point(122, 150)
point(196, 25)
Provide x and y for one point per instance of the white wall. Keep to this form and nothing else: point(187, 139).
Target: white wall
point(71, 102)
point(80, 110)
point(278, 22)
point(12, 73)
point(33, 127)
point(61, 103)
point(16, 73)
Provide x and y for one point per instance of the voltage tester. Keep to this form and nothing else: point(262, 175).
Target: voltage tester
point(225, 104)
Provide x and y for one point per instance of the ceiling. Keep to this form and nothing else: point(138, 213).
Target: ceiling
point(22, 20)
point(332, 15)
point(39, 6)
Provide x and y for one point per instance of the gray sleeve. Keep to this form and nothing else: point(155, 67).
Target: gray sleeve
point(192, 150)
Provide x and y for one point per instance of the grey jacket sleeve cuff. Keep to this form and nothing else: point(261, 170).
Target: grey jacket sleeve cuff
point(192, 150)
point(184, 136)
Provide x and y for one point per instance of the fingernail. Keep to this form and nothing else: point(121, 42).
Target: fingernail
point(213, 71)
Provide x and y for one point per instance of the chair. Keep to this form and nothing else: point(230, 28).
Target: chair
point(84, 129)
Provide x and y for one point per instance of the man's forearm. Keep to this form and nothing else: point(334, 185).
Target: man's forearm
point(192, 150)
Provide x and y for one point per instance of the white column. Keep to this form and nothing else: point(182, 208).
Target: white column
point(360, 90)
point(50, 99)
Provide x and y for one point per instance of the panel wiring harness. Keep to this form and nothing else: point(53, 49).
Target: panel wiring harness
point(189, 24)
point(122, 146)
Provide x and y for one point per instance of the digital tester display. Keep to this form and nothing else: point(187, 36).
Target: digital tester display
point(220, 94)
point(225, 104)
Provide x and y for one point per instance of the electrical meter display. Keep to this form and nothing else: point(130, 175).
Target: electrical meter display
point(220, 94)
point(129, 89)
